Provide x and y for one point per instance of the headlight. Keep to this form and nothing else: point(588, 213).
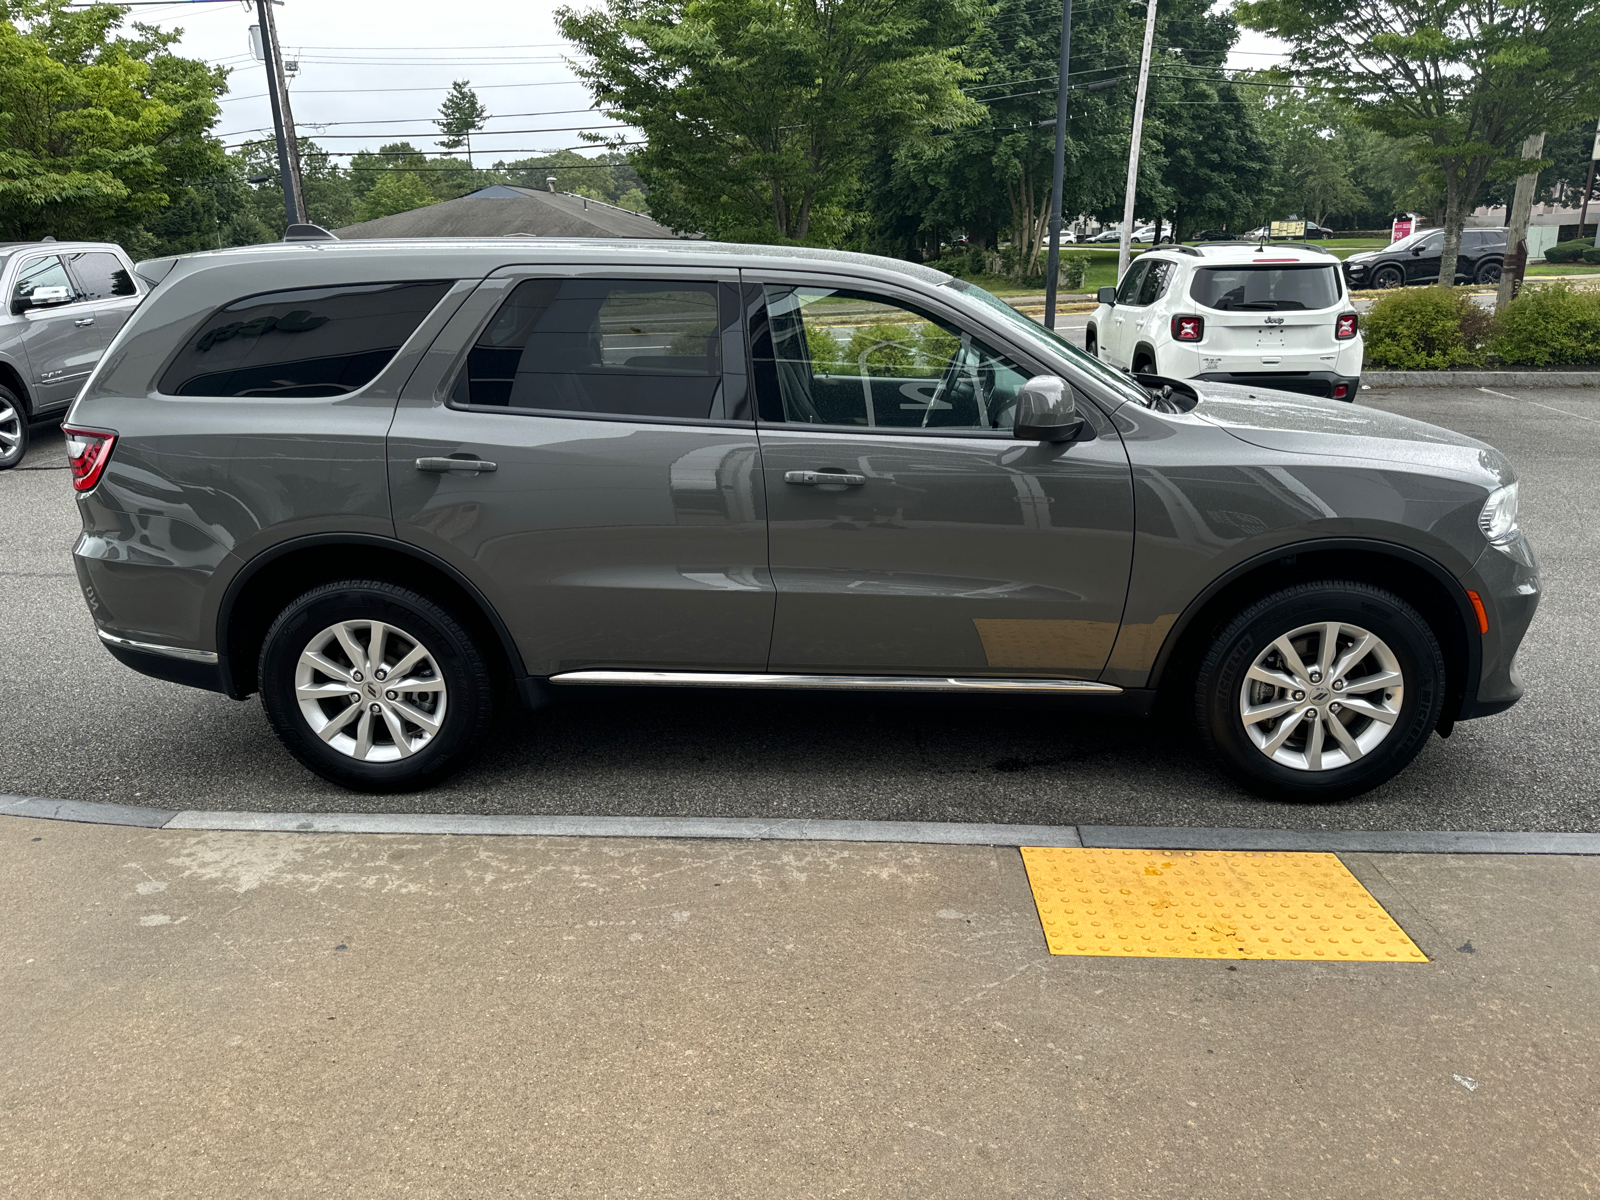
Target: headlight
point(1498, 520)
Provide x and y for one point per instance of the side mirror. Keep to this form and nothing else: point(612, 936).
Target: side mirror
point(1106, 295)
point(48, 297)
point(1046, 411)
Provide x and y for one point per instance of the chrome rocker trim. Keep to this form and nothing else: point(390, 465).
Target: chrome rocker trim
point(878, 683)
point(209, 657)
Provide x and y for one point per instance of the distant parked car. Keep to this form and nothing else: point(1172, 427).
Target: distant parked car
point(1415, 260)
point(1106, 235)
point(1230, 314)
point(64, 303)
point(1215, 235)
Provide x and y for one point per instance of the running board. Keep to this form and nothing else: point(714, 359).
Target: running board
point(873, 683)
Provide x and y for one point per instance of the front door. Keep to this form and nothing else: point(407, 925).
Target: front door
point(59, 340)
point(623, 523)
point(910, 533)
point(1125, 317)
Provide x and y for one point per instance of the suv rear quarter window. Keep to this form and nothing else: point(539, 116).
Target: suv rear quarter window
point(325, 341)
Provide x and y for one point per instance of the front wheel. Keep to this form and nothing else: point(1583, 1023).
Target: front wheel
point(374, 686)
point(1321, 691)
point(13, 429)
point(1091, 343)
point(1388, 277)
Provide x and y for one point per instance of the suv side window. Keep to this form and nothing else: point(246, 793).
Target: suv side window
point(605, 347)
point(42, 272)
point(830, 356)
point(1154, 285)
point(101, 275)
point(1128, 289)
point(323, 341)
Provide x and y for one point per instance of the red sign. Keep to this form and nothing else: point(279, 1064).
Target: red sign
point(1401, 229)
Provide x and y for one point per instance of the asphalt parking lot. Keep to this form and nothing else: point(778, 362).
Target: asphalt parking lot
point(76, 724)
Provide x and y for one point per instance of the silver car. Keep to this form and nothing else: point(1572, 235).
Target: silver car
point(64, 302)
point(392, 486)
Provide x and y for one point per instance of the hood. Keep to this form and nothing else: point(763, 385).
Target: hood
point(1296, 424)
point(1362, 256)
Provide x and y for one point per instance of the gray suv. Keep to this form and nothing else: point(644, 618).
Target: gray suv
point(64, 302)
point(394, 485)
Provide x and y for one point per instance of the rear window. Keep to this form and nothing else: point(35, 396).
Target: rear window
point(307, 342)
point(1263, 288)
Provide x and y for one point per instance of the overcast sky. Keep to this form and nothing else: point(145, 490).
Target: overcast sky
point(374, 72)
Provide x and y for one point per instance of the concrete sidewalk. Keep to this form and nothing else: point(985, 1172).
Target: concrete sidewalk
point(224, 1014)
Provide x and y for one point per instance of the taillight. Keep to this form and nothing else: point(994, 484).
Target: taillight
point(88, 451)
point(1188, 329)
point(1345, 327)
point(1341, 390)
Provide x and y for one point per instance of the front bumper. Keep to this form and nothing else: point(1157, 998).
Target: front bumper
point(1510, 589)
point(1306, 383)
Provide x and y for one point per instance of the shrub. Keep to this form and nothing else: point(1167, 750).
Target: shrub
point(1550, 325)
point(1565, 252)
point(1425, 329)
point(1592, 255)
point(1074, 270)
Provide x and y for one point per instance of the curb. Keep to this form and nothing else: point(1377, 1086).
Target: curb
point(1533, 379)
point(945, 833)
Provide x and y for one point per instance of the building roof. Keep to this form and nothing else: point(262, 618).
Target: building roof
point(499, 211)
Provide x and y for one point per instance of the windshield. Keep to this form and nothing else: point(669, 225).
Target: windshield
point(1415, 239)
point(1266, 289)
point(1036, 334)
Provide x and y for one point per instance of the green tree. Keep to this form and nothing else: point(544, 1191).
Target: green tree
point(395, 192)
point(98, 131)
point(460, 116)
point(760, 115)
point(1315, 169)
point(330, 192)
point(1467, 80)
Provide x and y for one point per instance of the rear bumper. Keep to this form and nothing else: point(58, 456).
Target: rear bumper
point(1307, 383)
point(192, 668)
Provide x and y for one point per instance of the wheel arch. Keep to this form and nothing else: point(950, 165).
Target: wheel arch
point(1149, 350)
point(255, 596)
point(11, 377)
point(1419, 580)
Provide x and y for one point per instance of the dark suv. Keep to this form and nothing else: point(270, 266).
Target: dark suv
point(392, 485)
point(1415, 260)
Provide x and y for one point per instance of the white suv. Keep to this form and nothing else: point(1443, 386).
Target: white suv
point(1270, 317)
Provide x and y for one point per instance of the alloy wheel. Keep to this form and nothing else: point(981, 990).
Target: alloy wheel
point(370, 690)
point(11, 431)
point(1322, 696)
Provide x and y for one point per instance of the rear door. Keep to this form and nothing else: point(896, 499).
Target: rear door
point(623, 523)
point(946, 546)
point(109, 291)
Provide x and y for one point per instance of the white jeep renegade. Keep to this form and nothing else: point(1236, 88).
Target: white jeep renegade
point(1232, 312)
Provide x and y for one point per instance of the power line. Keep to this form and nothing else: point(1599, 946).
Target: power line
point(443, 87)
point(554, 112)
point(437, 133)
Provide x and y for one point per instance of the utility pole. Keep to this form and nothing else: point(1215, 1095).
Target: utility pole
point(1058, 171)
point(1138, 132)
point(294, 205)
point(1516, 260)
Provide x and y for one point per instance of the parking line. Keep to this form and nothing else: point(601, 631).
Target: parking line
point(1536, 404)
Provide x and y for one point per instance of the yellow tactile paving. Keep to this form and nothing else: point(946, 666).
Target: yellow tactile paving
point(1210, 904)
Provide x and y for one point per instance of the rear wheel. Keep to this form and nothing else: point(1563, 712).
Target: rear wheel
point(1488, 272)
point(1388, 277)
point(1143, 364)
point(374, 687)
point(13, 429)
point(1321, 691)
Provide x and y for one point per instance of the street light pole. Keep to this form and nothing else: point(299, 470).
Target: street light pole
point(294, 205)
point(1058, 170)
point(1138, 132)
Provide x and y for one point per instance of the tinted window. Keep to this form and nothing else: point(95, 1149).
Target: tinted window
point(848, 358)
point(101, 275)
point(39, 273)
point(1154, 285)
point(1266, 289)
point(308, 342)
point(1129, 287)
point(615, 347)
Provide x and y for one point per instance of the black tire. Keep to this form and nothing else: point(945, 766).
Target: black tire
point(1487, 272)
point(1222, 678)
point(1091, 342)
point(1388, 277)
point(13, 429)
point(458, 664)
point(1143, 364)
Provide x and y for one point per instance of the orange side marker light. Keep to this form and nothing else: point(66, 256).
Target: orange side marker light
point(1477, 607)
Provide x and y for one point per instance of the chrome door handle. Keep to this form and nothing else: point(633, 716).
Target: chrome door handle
point(82, 321)
point(454, 464)
point(813, 478)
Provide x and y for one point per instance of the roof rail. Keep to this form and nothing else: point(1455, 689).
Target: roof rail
point(308, 233)
point(1181, 249)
